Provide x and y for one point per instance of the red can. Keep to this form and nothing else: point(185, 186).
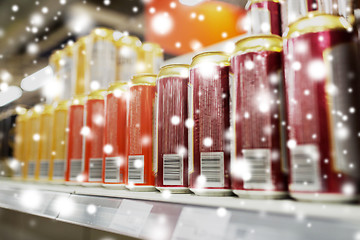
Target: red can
point(292, 10)
point(93, 138)
point(141, 125)
point(265, 16)
point(115, 147)
point(172, 135)
point(322, 89)
point(209, 143)
point(73, 174)
point(259, 163)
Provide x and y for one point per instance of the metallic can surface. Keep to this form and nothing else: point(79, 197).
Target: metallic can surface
point(140, 133)
point(292, 10)
point(115, 144)
point(127, 57)
point(20, 134)
point(151, 58)
point(46, 130)
point(171, 133)
point(321, 79)
point(27, 144)
point(102, 58)
point(74, 141)
point(34, 137)
point(259, 163)
point(93, 137)
point(209, 146)
point(265, 16)
point(58, 143)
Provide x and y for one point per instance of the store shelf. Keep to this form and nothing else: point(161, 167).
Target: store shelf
point(184, 216)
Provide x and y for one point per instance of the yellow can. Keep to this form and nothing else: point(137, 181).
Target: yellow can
point(152, 57)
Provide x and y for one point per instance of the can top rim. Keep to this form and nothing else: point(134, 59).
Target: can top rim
point(151, 46)
point(78, 99)
point(216, 57)
point(97, 94)
point(176, 69)
point(82, 41)
point(248, 4)
point(118, 85)
point(316, 22)
point(55, 58)
point(63, 104)
point(69, 50)
point(47, 109)
point(256, 43)
point(102, 33)
point(128, 41)
point(144, 79)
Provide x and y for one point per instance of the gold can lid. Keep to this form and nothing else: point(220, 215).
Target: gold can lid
point(131, 41)
point(20, 110)
point(69, 49)
point(62, 105)
point(102, 34)
point(120, 85)
point(47, 109)
point(144, 79)
point(97, 94)
point(172, 70)
point(36, 111)
point(82, 41)
point(259, 43)
point(317, 22)
point(151, 47)
point(55, 58)
point(219, 58)
point(78, 100)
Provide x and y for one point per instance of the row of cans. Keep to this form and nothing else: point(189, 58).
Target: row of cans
point(278, 116)
point(274, 16)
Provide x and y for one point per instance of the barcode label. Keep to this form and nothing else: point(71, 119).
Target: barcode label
point(44, 169)
point(258, 162)
point(59, 169)
point(75, 169)
point(305, 169)
point(212, 168)
point(136, 169)
point(95, 169)
point(172, 169)
point(112, 170)
point(31, 169)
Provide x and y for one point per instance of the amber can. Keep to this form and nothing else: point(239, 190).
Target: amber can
point(141, 128)
point(115, 135)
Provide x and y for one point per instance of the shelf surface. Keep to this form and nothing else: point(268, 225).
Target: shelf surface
point(154, 215)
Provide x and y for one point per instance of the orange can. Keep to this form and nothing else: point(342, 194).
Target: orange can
point(93, 136)
point(140, 133)
point(115, 147)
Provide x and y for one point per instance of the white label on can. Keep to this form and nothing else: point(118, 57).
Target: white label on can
point(44, 169)
point(126, 63)
point(212, 168)
point(112, 169)
point(305, 168)
point(295, 10)
point(190, 129)
point(232, 117)
point(103, 62)
point(95, 169)
point(59, 169)
point(343, 75)
point(258, 162)
point(260, 20)
point(155, 134)
point(31, 169)
point(75, 169)
point(136, 169)
point(173, 169)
